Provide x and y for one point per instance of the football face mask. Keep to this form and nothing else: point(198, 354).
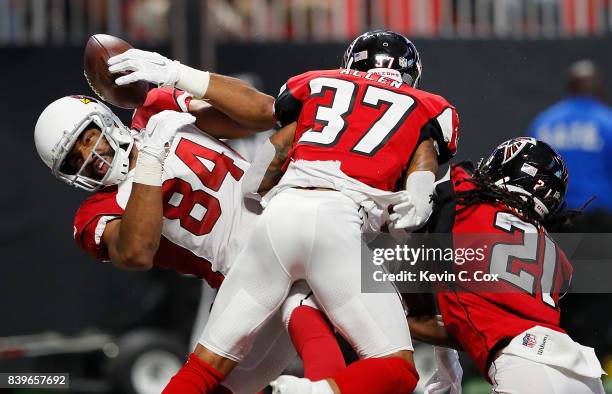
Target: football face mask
point(58, 129)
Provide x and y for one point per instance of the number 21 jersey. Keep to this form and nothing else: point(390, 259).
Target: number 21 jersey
point(527, 272)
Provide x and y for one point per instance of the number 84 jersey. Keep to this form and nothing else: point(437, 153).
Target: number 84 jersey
point(370, 123)
point(204, 214)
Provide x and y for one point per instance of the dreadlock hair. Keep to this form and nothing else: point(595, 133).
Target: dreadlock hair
point(485, 191)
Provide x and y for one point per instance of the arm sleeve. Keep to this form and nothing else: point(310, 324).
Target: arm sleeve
point(90, 222)
point(288, 103)
point(444, 129)
point(158, 100)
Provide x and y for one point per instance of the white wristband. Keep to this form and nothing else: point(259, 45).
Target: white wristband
point(148, 169)
point(421, 182)
point(193, 81)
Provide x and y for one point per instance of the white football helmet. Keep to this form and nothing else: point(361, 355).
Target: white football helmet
point(60, 125)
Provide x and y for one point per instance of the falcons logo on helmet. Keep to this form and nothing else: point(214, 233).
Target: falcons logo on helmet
point(513, 147)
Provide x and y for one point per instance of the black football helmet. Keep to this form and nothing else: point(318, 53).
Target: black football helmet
point(532, 167)
point(384, 49)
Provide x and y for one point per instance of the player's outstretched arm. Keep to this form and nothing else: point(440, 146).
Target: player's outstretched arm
point(241, 102)
point(267, 167)
point(216, 123)
point(235, 98)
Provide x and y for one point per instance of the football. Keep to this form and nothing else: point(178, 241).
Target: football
point(99, 49)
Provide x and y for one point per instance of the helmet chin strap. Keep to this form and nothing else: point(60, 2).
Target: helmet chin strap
point(120, 166)
point(539, 206)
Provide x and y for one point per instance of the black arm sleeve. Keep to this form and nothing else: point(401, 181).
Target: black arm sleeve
point(286, 107)
point(432, 129)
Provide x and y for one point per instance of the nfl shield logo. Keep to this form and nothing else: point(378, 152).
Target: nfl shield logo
point(529, 340)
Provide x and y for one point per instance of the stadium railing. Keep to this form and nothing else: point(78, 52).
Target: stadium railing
point(59, 22)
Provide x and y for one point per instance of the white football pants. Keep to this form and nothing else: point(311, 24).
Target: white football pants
point(313, 235)
point(272, 351)
point(516, 375)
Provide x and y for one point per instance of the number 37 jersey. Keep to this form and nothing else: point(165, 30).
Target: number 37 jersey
point(372, 124)
point(204, 215)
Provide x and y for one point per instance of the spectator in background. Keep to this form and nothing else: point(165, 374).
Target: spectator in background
point(147, 20)
point(580, 129)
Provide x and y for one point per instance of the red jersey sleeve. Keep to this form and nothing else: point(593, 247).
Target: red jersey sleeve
point(160, 99)
point(443, 127)
point(288, 103)
point(90, 221)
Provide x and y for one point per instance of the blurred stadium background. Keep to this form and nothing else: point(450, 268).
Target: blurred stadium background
point(500, 62)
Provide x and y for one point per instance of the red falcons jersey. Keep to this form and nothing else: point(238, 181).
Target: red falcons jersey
point(531, 270)
point(372, 124)
point(204, 219)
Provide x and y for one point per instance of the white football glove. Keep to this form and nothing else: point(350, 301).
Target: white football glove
point(158, 69)
point(448, 373)
point(144, 66)
point(416, 206)
point(160, 131)
point(155, 142)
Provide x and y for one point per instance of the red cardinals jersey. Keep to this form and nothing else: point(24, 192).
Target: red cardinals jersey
point(372, 124)
point(204, 218)
point(530, 268)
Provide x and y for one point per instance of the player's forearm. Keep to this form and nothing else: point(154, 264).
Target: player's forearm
point(425, 158)
point(140, 229)
point(235, 98)
point(416, 208)
point(267, 167)
point(216, 123)
point(427, 329)
point(241, 102)
point(282, 142)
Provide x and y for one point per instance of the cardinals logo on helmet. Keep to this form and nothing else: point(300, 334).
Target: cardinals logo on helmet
point(84, 99)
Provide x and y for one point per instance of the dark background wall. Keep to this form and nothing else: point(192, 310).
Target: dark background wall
point(46, 283)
